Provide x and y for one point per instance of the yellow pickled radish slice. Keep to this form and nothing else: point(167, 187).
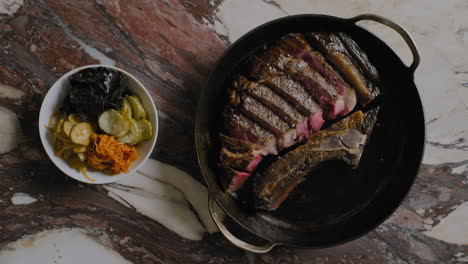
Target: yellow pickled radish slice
point(80, 149)
point(81, 133)
point(67, 127)
point(74, 118)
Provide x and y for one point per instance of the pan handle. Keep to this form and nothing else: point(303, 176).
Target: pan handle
point(403, 33)
point(234, 240)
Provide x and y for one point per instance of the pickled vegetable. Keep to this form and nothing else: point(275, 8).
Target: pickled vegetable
point(113, 123)
point(134, 136)
point(82, 156)
point(93, 91)
point(126, 109)
point(74, 118)
point(81, 133)
point(80, 149)
point(68, 126)
point(145, 129)
point(140, 129)
point(106, 153)
point(138, 111)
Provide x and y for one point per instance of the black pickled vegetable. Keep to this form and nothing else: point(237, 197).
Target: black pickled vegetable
point(93, 91)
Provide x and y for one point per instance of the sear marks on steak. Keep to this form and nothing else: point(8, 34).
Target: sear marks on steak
point(325, 94)
point(239, 126)
point(298, 47)
point(344, 140)
point(337, 52)
point(281, 97)
point(275, 103)
point(285, 135)
point(289, 89)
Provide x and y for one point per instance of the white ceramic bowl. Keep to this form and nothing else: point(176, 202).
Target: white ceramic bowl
point(52, 103)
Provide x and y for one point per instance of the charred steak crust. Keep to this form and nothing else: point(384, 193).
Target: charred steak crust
point(238, 158)
point(323, 93)
point(367, 68)
point(360, 57)
point(280, 98)
point(271, 99)
point(337, 53)
point(283, 84)
point(345, 140)
point(232, 179)
point(239, 126)
point(298, 47)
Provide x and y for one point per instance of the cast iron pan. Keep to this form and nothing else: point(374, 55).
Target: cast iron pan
point(335, 204)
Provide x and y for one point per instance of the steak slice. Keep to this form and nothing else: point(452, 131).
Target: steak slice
point(239, 126)
point(233, 179)
point(275, 103)
point(298, 47)
point(285, 135)
point(238, 158)
point(360, 57)
point(239, 154)
point(287, 88)
point(325, 94)
point(337, 53)
point(239, 145)
point(366, 66)
point(345, 140)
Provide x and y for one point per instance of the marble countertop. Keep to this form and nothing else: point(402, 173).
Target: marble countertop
point(159, 214)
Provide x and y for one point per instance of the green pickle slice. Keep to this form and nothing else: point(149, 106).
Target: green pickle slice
point(138, 111)
point(113, 123)
point(145, 128)
point(134, 136)
point(126, 109)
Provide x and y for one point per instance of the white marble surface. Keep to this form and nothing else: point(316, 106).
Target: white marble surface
point(61, 246)
point(169, 196)
point(9, 7)
point(10, 130)
point(22, 198)
point(453, 228)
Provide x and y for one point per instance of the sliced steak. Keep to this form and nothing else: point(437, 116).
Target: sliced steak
point(239, 126)
point(344, 140)
point(239, 161)
point(337, 53)
point(239, 145)
point(287, 88)
point(373, 79)
point(360, 57)
point(286, 135)
point(276, 103)
point(325, 94)
point(238, 158)
point(239, 154)
point(233, 179)
point(298, 47)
